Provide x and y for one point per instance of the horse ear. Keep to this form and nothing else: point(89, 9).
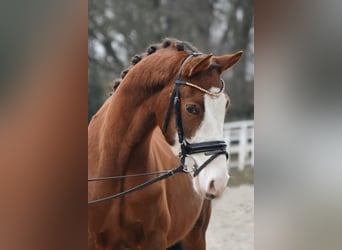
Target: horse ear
point(198, 64)
point(227, 61)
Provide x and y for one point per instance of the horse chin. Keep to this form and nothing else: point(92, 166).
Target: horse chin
point(209, 196)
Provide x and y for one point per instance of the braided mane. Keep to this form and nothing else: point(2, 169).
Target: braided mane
point(167, 42)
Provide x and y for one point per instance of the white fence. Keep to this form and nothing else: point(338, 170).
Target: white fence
point(240, 139)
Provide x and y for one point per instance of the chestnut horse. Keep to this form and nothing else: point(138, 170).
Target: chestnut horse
point(168, 111)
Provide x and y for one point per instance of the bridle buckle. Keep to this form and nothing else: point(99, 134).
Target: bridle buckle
point(186, 168)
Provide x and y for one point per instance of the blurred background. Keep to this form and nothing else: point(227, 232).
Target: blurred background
point(43, 122)
point(119, 29)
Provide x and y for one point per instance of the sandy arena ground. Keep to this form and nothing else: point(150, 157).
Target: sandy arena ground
point(231, 225)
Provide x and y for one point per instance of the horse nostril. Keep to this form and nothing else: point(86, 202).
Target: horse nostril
point(212, 188)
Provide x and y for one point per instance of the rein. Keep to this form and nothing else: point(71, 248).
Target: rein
point(212, 148)
point(145, 184)
point(125, 176)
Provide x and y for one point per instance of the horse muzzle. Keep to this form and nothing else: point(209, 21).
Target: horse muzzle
point(213, 179)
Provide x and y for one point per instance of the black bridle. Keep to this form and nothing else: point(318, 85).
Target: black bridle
point(212, 148)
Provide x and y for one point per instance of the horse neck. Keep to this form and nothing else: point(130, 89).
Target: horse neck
point(130, 116)
point(129, 122)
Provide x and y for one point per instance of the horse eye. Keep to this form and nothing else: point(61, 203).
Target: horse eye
point(192, 109)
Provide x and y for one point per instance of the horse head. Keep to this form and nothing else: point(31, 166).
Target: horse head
point(195, 101)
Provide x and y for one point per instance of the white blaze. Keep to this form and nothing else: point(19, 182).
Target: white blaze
point(211, 129)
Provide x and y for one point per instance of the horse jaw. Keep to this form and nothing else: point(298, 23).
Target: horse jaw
point(213, 179)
